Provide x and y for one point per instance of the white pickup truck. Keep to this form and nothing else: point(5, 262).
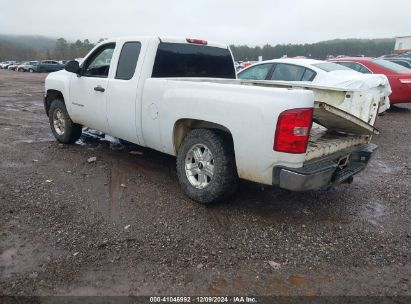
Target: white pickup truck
point(181, 97)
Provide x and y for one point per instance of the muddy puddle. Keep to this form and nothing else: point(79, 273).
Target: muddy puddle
point(18, 255)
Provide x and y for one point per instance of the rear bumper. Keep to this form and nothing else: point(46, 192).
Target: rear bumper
point(324, 172)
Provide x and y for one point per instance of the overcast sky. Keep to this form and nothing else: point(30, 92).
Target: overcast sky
point(230, 21)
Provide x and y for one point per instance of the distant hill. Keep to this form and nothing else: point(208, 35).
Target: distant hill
point(25, 47)
point(335, 47)
point(29, 47)
point(32, 47)
point(375, 40)
point(40, 43)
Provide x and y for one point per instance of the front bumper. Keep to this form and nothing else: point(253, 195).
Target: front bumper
point(324, 172)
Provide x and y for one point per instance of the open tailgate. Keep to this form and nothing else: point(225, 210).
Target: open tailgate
point(335, 119)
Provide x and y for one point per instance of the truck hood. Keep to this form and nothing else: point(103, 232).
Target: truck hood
point(57, 75)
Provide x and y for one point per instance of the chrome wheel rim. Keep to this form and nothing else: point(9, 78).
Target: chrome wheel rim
point(58, 122)
point(199, 166)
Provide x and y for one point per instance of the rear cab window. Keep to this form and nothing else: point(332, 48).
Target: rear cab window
point(192, 60)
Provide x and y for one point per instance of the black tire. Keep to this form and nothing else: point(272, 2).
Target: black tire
point(225, 179)
point(31, 70)
point(71, 132)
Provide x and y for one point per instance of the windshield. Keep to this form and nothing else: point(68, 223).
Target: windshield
point(330, 66)
point(390, 65)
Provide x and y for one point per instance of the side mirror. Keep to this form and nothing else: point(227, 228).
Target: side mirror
point(73, 67)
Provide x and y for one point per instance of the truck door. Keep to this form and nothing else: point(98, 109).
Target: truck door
point(88, 91)
point(123, 93)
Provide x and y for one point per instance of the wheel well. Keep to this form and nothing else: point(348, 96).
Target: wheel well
point(50, 97)
point(183, 126)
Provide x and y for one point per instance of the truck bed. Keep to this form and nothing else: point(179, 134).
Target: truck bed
point(359, 103)
point(340, 122)
point(323, 142)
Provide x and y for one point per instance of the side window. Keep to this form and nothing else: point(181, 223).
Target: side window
point(288, 72)
point(350, 65)
point(128, 60)
point(98, 64)
point(308, 75)
point(258, 72)
point(356, 66)
point(364, 70)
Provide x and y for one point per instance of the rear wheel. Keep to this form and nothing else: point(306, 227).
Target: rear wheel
point(206, 166)
point(63, 128)
point(31, 70)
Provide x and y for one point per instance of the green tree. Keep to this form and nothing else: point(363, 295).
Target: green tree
point(320, 50)
point(62, 49)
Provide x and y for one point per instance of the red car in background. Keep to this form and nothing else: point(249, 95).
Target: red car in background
point(398, 75)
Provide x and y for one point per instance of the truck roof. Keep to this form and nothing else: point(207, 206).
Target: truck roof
point(170, 39)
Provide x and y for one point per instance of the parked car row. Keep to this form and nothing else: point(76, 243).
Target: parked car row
point(33, 66)
point(6, 64)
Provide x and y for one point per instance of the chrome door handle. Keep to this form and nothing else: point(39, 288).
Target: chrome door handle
point(99, 89)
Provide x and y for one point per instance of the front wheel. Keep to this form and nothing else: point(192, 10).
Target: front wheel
point(63, 128)
point(206, 166)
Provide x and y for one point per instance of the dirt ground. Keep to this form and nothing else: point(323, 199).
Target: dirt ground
point(121, 225)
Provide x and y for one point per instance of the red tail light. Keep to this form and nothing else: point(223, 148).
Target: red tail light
point(196, 41)
point(293, 131)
